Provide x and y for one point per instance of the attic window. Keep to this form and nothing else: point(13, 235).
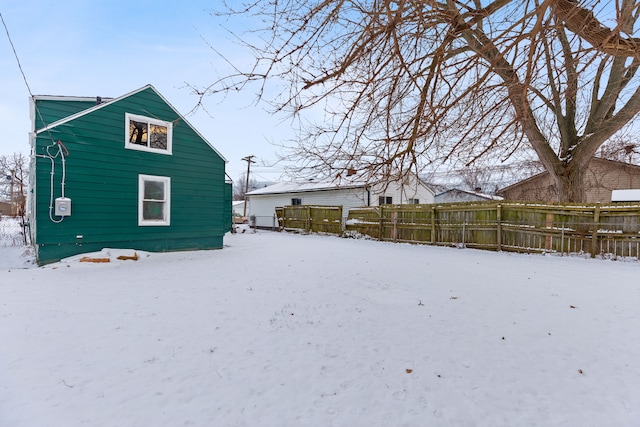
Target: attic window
point(147, 134)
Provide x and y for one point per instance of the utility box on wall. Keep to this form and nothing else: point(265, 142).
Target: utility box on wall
point(63, 206)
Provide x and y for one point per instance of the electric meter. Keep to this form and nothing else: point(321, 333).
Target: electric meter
point(63, 206)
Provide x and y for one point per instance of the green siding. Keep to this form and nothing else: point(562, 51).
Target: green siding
point(102, 183)
point(50, 111)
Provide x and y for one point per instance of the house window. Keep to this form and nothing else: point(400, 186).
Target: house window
point(414, 201)
point(296, 202)
point(154, 200)
point(147, 134)
point(385, 200)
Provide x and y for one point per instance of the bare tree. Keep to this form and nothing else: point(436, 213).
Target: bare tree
point(404, 83)
point(476, 179)
point(14, 181)
point(240, 185)
point(488, 177)
point(622, 148)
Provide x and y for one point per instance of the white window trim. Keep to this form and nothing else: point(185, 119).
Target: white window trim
point(128, 117)
point(167, 195)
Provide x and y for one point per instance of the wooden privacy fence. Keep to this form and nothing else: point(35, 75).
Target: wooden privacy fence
point(317, 219)
point(594, 229)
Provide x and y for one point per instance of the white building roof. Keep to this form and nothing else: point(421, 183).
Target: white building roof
point(625, 195)
point(307, 186)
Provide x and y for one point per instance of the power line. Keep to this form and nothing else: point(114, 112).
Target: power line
point(24, 77)
point(15, 54)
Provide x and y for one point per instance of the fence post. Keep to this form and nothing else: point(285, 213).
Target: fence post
point(499, 227)
point(394, 218)
point(549, 225)
point(284, 218)
point(464, 226)
point(433, 225)
point(381, 227)
point(594, 234)
point(308, 222)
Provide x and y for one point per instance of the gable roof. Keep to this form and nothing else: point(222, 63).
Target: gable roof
point(109, 101)
point(307, 186)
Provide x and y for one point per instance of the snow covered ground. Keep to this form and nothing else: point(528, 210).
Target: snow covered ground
point(289, 330)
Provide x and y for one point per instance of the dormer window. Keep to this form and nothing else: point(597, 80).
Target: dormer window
point(147, 134)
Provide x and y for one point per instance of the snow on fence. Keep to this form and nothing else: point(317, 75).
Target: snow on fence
point(12, 231)
point(612, 230)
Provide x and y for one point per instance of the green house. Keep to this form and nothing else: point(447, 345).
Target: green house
point(128, 172)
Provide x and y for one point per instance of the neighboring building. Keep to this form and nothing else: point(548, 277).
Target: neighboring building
point(238, 207)
point(256, 185)
point(5, 208)
point(128, 172)
point(601, 178)
point(455, 195)
point(262, 202)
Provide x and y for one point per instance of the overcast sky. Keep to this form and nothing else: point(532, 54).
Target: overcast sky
point(111, 47)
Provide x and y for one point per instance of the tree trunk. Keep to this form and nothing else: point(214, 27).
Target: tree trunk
point(569, 181)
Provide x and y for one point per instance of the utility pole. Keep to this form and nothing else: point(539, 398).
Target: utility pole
point(12, 200)
point(249, 160)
